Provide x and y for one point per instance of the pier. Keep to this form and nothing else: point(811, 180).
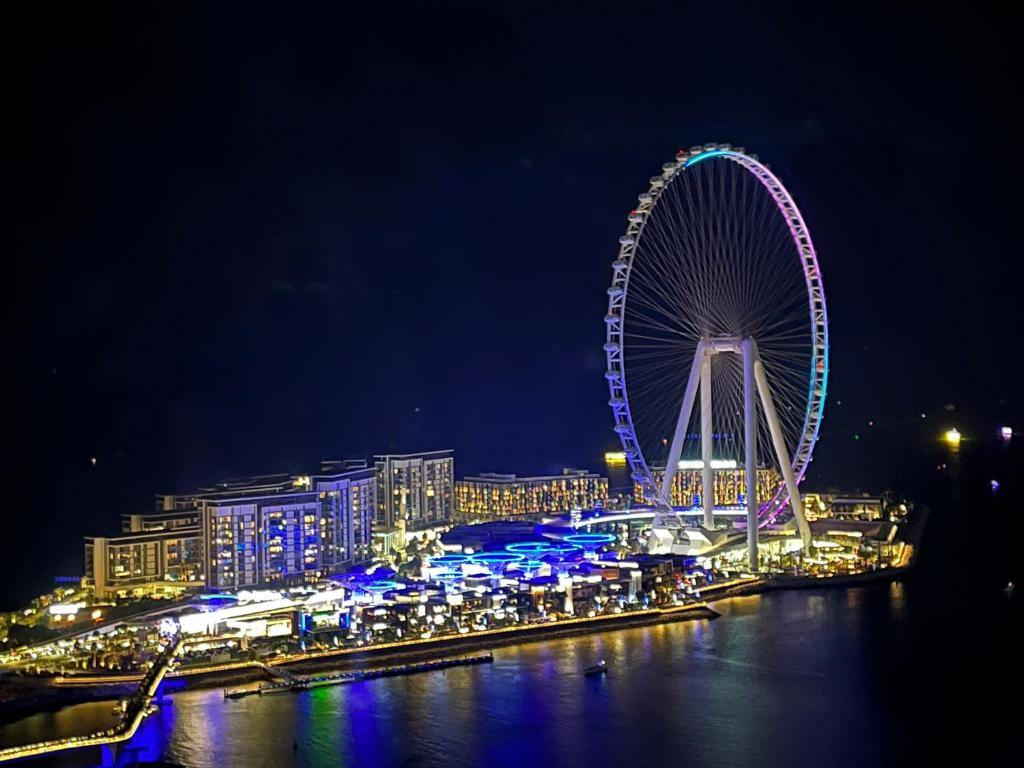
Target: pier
point(140, 705)
point(305, 682)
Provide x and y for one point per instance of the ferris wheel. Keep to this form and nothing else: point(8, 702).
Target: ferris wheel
point(716, 290)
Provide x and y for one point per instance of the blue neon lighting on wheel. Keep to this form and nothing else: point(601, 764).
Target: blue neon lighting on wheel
point(705, 155)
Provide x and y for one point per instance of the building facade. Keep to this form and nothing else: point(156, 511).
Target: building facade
point(348, 498)
point(257, 539)
point(834, 506)
point(287, 531)
point(269, 531)
point(148, 562)
point(415, 491)
point(492, 496)
point(730, 486)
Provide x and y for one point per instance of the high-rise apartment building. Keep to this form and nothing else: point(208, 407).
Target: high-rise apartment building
point(262, 536)
point(348, 496)
point(493, 496)
point(415, 490)
point(288, 530)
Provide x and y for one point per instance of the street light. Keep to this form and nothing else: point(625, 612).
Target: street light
point(952, 438)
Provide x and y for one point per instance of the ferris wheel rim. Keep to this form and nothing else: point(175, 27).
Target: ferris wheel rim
point(622, 267)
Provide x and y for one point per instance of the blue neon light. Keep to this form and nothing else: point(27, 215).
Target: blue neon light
point(563, 551)
point(705, 155)
point(449, 560)
point(591, 539)
point(382, 586)
point(526, 565)
point(497, 557)
point(528, 547)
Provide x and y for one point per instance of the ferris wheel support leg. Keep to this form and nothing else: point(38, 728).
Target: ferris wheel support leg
point(676, 450)
point(750, 449)
point(781, 453)
point(707, 494)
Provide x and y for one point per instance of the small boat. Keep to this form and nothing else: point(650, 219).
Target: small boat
point(600, 668)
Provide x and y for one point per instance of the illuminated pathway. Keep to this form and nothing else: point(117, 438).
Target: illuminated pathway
point(502, 634)
point(134, 714)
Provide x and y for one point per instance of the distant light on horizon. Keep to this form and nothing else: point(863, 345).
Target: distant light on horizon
point(952, 438)
point(1006, 433)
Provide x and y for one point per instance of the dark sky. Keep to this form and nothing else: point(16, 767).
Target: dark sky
point(246, 238)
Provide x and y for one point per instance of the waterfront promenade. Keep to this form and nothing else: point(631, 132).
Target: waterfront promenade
point(135, 712)
point(254, 670)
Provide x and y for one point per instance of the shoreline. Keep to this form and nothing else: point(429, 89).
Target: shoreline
point(62, 693)
point(59, 694)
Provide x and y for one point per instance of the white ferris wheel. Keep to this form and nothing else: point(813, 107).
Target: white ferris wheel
point(716, 290)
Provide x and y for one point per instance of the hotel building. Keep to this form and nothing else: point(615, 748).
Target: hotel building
point(730, 485)
point(265, 531)
point(156, 554)
point(286, 530)
point(493, 496)
point(415, 491)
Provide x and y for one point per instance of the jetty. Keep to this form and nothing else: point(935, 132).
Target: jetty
point(292, 682)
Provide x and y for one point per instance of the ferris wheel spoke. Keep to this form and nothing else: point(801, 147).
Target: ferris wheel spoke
point(717, 255)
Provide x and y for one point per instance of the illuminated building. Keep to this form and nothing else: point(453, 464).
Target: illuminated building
point(620, 483)
point(492, 496)
point(348, 495)
point(415, 491)
point(159, 521)
point(259, 537)
point(145, 562)
point(688, 483)
point(273, 530)
point(827, 506)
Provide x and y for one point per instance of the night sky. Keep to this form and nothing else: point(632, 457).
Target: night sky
point(247, 239)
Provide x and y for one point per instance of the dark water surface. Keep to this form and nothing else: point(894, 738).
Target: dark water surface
point(889, 674)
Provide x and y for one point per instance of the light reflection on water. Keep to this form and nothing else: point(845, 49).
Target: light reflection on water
point(781, 679)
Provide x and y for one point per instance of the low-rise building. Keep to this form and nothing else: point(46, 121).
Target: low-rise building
point(842, 507)
point(145, 562)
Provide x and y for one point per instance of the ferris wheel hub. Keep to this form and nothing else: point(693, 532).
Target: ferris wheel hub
point(704, 278)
